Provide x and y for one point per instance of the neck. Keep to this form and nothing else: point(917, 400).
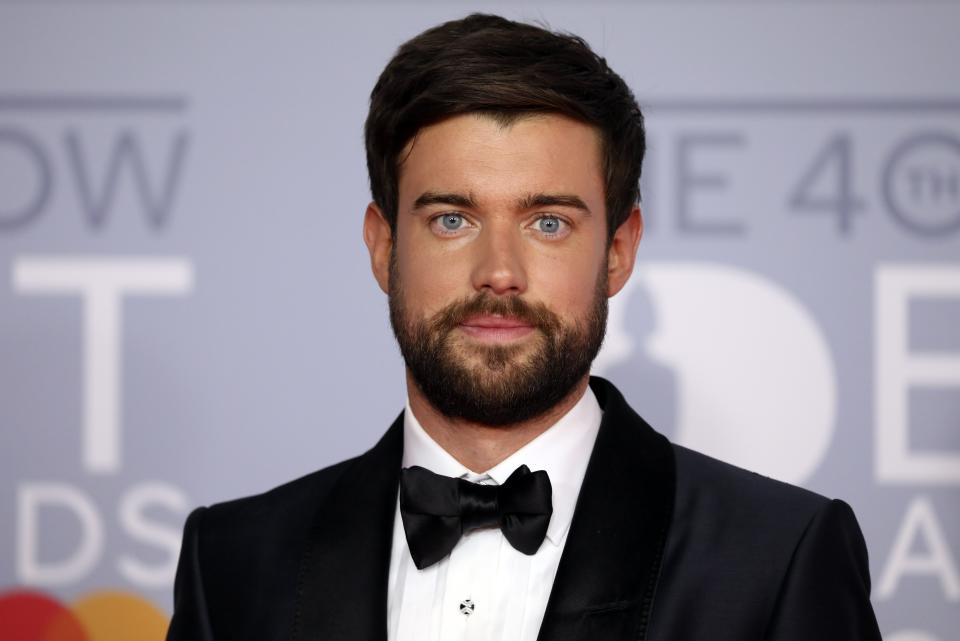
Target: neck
point(480, 447)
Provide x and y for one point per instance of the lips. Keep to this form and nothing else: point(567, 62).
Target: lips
point(495, 322)
point(495, 328)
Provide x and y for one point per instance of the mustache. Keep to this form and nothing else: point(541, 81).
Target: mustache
point(536, 314)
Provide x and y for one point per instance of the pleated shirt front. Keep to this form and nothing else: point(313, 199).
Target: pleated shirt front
point(485, 590)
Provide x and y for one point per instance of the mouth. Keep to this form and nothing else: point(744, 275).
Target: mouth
point(492, 328)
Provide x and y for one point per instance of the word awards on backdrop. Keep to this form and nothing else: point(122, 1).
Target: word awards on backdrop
point(96, 172)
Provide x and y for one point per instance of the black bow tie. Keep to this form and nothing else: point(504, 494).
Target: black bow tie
point(437, 510)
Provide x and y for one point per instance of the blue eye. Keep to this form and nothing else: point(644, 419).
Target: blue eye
point(549, 224)
point(451, 222)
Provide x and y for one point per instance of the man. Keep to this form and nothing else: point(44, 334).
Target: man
point(515, 498)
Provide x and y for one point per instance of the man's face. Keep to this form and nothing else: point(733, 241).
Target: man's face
point(498, 271)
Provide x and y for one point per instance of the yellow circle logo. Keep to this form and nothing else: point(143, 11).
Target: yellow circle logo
point(106, 615)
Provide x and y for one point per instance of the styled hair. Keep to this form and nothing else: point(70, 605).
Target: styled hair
point(505, 69)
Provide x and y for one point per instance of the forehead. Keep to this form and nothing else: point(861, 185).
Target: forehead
point(480, 154)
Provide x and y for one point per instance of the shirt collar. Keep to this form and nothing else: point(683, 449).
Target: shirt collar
point(563, 451)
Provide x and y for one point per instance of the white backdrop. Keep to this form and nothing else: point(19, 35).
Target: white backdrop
point(187, 313)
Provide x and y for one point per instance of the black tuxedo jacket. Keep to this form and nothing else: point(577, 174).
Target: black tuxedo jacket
point(665, 544)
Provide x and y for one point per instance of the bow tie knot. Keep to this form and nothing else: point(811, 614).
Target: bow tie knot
point(479, 505)
point(436, 510)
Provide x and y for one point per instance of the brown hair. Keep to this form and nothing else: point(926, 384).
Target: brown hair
point(488, 64)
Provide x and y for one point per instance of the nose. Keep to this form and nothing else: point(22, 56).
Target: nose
point(498, 262)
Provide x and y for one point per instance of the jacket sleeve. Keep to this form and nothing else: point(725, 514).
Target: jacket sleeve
point(825, 593)
point(190, 619)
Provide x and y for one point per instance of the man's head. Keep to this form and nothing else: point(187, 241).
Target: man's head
point(504, 163)
point(485, 63)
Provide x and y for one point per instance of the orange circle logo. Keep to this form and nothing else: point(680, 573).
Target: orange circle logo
point(97, 616)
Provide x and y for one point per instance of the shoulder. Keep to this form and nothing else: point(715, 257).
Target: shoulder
point(249, 550)
point(740, 536)
point(708, 483)
point(270, 529)
point(732, 507)
point(743, 509)
point(286, 508)
point(766, 553)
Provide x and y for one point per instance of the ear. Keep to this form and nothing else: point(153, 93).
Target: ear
point(379, 240)
point(623, 251)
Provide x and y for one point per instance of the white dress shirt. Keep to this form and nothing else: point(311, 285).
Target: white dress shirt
point(507, 589)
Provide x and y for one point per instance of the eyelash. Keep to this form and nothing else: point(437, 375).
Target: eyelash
point(434, 222)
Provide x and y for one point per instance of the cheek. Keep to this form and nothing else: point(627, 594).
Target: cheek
point(431, 280)
point(567, 273)
point(568, 288)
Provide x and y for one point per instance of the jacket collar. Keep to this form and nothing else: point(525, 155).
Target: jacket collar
point(608, 571)
point(342, 586)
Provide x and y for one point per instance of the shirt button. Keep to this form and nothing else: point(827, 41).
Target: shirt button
point(466, 607)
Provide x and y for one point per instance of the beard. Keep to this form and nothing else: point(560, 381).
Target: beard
point(496, 385)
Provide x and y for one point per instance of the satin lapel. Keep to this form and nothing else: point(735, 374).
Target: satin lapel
point(343, 574)
point(610, 565)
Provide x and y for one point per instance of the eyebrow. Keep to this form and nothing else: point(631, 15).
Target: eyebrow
point(530, 201)
point(554, 200)
point(428, 198)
